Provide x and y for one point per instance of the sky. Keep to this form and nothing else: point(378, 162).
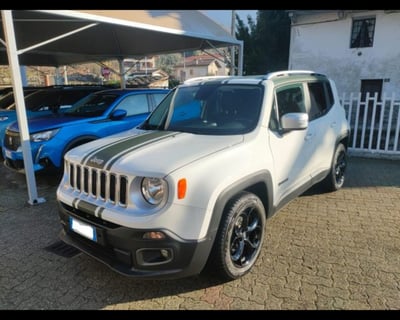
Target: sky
point(224, 17)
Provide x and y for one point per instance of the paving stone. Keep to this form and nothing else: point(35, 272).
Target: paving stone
point(325, 251)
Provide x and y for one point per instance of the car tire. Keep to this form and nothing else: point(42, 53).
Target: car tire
point(336, 176)
point(239, 239)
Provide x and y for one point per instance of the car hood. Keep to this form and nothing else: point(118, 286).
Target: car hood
point(147, 153)
point(48, 122)
point(10, 114)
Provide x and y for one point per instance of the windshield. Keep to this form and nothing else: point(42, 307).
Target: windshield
point(93, 105)
point(217, 109)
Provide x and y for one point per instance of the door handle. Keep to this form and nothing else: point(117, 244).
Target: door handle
point(333, 124)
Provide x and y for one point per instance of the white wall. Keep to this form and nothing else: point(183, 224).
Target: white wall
point(325, 47)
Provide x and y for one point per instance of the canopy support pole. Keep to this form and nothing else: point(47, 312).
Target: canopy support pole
point(122, 73)
point(13, 60)
point(240, 58)
point(233, 47)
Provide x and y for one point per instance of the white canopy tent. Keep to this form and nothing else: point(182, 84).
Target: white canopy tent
point(61, 37)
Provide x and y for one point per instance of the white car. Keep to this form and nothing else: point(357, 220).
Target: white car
point(192, 187)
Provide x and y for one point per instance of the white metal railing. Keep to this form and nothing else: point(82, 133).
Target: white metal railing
point(374, 123)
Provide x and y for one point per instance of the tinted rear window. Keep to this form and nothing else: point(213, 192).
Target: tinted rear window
point(46, 99)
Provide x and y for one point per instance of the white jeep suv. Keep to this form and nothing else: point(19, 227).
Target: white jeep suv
point(191, 188)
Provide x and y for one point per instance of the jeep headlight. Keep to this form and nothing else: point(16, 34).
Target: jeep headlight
point(154, 190)
point(44, 135)
point(3, 118)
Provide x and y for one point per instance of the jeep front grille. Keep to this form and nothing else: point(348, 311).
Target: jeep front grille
point(98, 183)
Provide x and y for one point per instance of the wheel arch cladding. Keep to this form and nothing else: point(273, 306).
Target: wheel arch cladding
point(259, 183)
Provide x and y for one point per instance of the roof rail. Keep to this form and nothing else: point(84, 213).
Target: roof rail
point(199, 79)
point(287, 73)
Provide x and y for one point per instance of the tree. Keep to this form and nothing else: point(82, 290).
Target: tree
point(167, 62)
point(246, 33)
point(266, 42)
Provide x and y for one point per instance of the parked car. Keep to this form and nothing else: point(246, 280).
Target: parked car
point(44, 102)
point(191, 188)
point(5, 90)
point(98, 115)
point(7, 99)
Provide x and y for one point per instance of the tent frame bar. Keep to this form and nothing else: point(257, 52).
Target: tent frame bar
point(56, 38)
point(16, 78)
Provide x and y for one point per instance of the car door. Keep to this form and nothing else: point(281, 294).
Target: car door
point(290, 150)
point(323, 123)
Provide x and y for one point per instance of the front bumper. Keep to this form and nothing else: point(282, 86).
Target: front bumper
point(14, 160)
point(124, 250)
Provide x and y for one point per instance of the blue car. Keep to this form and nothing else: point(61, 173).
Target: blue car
point(45, 101)
point(98, 115)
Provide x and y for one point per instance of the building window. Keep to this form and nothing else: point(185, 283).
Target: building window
point(362, 33)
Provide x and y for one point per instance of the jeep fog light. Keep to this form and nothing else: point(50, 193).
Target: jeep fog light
point(154, 190)
point(154, 256)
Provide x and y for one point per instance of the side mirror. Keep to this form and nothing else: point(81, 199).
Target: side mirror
point(294, 121)
point(118, 114)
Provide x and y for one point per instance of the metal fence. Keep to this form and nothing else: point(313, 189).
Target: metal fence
point(374, 123)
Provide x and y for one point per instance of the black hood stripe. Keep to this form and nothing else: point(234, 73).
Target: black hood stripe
point(107, 146)
point(114, 151)
point(135, 147)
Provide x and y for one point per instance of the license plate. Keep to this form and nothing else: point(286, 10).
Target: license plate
point(83, 229)
point(8, 153)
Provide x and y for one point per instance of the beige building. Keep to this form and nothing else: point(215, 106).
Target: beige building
point(133, 65)
point(200, 66)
